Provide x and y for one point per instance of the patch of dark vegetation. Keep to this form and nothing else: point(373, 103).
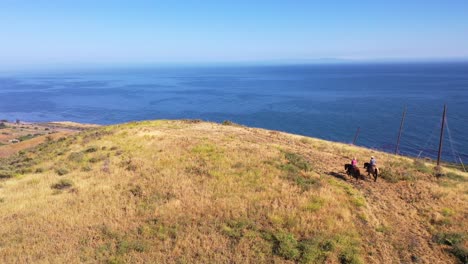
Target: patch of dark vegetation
point(449, 239)
point(86, 168)
point(287, 246)
point(398, 171)
point(125, 246)
point(20, 163)
point(192, 121)
point(455, 241)
point(91, 149)
point(94, 134)
point(97, 158)
point(295, 171)
point(76, 156)
point(230, 123)
point(298, 161)
point(61, 171)
point(153, 228)
point(420, 166)
point(461, 252)
point(236, 229)
point(115, 246)
point(2, 125)
point(28, 136)
point(62, 184)
point(6, 174)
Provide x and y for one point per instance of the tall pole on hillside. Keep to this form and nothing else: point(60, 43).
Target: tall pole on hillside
point(399, 132)
point(356, 136)
point(441, 135)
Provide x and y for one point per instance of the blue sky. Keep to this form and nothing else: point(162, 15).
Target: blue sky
point(101, 32)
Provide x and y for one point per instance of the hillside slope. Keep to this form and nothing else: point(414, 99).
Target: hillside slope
point(198, 192)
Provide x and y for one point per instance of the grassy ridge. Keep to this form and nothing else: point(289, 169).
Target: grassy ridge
point(186, 191)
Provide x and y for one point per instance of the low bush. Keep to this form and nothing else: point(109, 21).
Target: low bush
point(449, 239)
point(61, 171)
point(76, 156)
point(420, 166)
point(5, 174)
point(91, 149)
point(62, 184)
point(286, 246)
point(298, 161)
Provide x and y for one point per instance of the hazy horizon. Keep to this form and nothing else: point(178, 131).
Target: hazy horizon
point(68, 34)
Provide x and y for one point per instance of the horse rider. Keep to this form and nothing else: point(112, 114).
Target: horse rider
point(372, 163)
point(354, 162)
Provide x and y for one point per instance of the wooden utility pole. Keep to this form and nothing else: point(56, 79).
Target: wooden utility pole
point(441, 135)
point(399, 133)
point(356, 136)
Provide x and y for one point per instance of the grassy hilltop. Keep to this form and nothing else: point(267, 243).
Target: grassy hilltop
point(198, 192)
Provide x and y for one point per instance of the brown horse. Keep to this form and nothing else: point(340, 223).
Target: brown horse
point(352, 171)
point(371, 170)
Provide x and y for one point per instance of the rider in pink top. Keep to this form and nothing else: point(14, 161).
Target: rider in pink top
point(354, 162)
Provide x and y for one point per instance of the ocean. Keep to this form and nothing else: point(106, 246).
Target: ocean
point(329, 101)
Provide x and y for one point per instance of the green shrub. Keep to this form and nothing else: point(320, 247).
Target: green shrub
point(461, 252)
point(26, 137)
point(61, 171)
point(62, 184)
point(420, 166)
point(298, 161)
point(394, 174)
point(227, 123)
point(76, 156)
point(286, 246)
point(91, 149)
point(449, 239)
point(456, 243)
point(124, 246)
point(6, 174)
point(315, 250)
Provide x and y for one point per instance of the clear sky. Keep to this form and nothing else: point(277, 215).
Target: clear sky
point(81, 32)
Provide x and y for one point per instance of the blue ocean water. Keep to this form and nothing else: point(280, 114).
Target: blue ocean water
point(324, 101)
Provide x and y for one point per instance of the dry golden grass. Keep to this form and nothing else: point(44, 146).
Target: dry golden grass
point(197, 192)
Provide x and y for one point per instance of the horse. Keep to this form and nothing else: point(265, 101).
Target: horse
point(371, 170)
point(352, 171)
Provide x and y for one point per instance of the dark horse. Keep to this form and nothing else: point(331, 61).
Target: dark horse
point(371, 170)
point(352, 171)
